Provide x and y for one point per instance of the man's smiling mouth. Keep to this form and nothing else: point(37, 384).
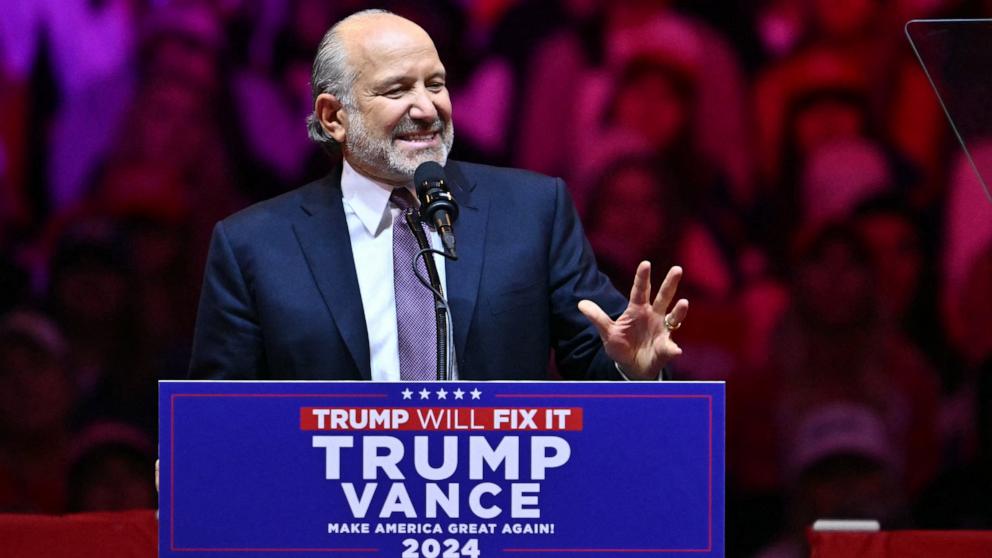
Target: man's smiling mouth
point(420, 139)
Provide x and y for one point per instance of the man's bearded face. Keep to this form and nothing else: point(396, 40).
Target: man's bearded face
point(398, 113)
point(398, 152)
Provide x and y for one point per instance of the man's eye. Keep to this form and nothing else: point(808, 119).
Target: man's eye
point(436, 86)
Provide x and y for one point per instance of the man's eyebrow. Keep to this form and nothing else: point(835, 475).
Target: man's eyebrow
point(389, 81)
point(405, 79)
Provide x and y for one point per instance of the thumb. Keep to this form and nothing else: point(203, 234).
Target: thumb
point(595, 314)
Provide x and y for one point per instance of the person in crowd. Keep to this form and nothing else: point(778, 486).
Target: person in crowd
point(653, 108)
point(832, 49)
point(158, 249)
point(833, 304)
point(857, 44)
point(89, 297)
point(37, 397)
point(831, 158)
point(966, 231)
point(974, 346)
point(92, 295)
point(173, 158)
point(958, 498)
point(840, 462)
point(636, 211)
point(572, 74)
point(904, 262)
point(111, 469)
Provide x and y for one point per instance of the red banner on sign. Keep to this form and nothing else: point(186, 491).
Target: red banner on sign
point(534, 419)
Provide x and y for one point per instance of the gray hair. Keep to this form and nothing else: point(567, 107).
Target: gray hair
point(333, 74)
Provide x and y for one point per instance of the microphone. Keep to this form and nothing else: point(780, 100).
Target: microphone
point(437, 206)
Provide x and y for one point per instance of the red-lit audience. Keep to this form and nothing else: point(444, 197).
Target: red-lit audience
point(789, 154)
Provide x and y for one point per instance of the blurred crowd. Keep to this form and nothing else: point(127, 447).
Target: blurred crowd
point(789, 154)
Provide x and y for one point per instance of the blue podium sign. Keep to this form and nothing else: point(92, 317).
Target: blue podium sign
point(441, 470)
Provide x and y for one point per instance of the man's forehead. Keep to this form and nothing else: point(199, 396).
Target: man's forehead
point(382, 37)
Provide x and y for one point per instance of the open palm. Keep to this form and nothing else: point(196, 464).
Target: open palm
point(640, 340)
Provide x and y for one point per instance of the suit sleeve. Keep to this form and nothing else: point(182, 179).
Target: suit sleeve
point(574, 276)
point(227, 343)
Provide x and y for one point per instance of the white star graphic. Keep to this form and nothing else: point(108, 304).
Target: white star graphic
point(475, 393)
point(407, 394)
point(424, 394)
point(442, 394)
point(459, 394)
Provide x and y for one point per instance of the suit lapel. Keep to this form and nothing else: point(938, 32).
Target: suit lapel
point(322, 232)
point(462, 276)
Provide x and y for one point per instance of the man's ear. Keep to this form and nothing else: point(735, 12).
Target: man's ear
point(330, 113)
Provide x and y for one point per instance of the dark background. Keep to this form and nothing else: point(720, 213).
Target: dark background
point(790, 154)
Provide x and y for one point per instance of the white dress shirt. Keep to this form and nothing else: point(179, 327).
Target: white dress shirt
point(370, 219)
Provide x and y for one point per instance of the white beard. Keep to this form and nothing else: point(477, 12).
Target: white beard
point(378, 153)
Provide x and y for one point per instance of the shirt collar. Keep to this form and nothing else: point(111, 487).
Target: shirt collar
point(368, 198)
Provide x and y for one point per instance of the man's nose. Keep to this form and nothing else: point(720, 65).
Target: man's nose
point(423, 107)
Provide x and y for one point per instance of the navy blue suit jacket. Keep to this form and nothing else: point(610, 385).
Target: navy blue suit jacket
point(280, 295)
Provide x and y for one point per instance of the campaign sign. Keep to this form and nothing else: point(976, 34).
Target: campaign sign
point(441, 470)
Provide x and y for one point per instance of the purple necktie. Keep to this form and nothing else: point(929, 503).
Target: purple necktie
point(416, 327)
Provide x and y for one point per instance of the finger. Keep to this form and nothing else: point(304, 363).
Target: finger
point(679, 313)
point(595, 314)
point(640, 293)
point(668, 287)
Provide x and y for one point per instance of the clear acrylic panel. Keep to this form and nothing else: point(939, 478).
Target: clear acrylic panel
point(956, 55)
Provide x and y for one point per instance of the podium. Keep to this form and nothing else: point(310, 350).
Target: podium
point(454, 469)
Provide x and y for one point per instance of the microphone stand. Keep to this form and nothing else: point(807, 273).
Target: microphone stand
point(434, 284)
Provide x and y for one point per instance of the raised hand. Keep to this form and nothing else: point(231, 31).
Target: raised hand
point(640, 340)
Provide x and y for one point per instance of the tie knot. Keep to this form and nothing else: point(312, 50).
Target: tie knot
point(402, 198)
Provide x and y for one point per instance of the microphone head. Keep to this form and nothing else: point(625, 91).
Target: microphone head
point(433, 193)
point(426, 173)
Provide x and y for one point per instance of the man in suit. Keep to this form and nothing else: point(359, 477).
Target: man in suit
point(311, 284)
